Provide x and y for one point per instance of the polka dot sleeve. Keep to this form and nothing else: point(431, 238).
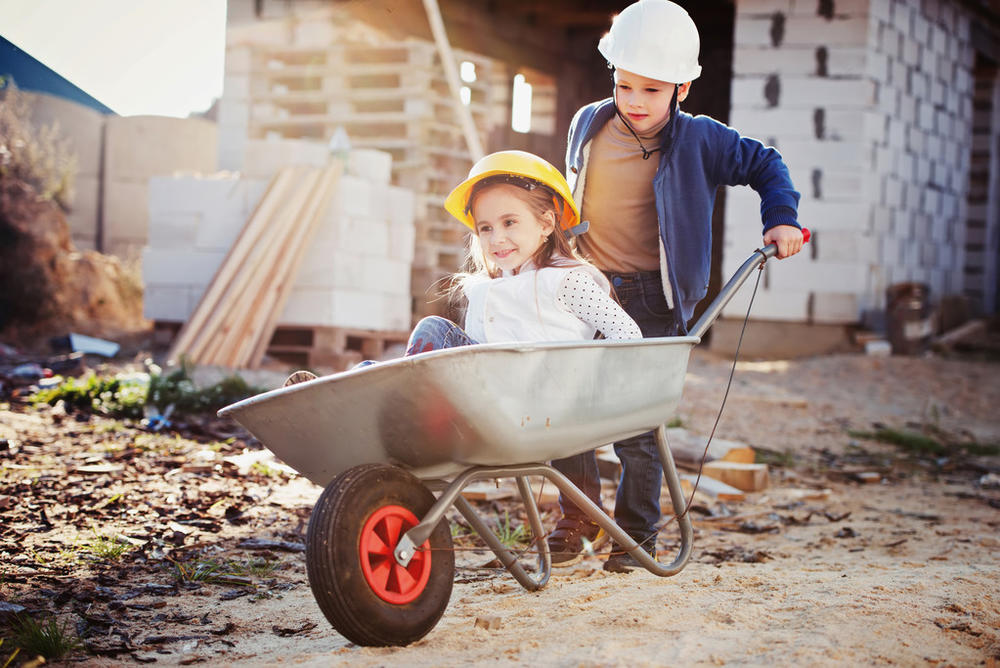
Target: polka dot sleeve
point(581, 295)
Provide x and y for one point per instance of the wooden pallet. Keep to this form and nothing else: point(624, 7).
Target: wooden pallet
point(316, 347)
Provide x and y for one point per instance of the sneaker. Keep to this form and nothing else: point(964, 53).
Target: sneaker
point(300, 377)
point(571, 538)
point(621, 561)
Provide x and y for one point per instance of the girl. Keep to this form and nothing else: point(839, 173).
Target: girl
point(527, 282)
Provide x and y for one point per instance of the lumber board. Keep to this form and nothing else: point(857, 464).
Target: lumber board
point(212, 335)
point(282, 290)
point(232, 261)
point(240, 312)
point(742, 476)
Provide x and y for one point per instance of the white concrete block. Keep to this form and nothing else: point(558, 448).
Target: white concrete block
point(790, 306)
point(804, 153)
point(831, 93)
point(365, 310)
point(354, 196)
point(176, 230)
point(367, 237)
point(169, 266)
point(385, 276)
point(832, 308)
point(238, 60)
point(839, 31)
point(766, 7)
point(310, 307)
point(236, 87)
point(752, 30)
point(402, 238)
point(397, 311)
point(370, 164)
point(169, 302)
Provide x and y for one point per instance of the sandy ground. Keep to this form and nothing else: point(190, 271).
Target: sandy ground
point(819, 569)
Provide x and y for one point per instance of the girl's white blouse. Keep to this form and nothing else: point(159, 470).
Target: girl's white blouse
point(567, 303)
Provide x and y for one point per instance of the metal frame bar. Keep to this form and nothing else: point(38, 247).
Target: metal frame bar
point(451, 495)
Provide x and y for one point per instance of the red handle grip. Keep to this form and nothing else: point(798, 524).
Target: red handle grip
point(806, 234)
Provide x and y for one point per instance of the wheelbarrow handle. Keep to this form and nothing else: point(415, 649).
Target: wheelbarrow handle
point(734, 284)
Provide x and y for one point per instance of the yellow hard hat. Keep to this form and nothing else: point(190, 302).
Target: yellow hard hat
point(524, 169)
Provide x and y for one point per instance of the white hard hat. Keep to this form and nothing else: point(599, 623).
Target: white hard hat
point(655, 39)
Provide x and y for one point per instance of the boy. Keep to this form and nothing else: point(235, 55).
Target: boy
point(645, 175)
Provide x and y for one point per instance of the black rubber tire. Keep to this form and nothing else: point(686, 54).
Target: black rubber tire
point(333, 559)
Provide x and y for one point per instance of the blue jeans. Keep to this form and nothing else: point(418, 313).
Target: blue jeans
point(435, 333)
point(637, 502)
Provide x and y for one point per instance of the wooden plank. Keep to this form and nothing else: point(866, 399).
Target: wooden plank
point(230, 264)
point(217, 331)
point(313, 217)
point(745, 477)
point(716, 488)
point(239, 314)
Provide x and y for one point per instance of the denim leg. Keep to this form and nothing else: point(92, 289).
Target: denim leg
point(582, 471)
point(637, 501)
point(435, 333)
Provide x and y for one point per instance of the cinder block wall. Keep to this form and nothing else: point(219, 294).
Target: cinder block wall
point(869, 102)
point(136, 149)
point(356, 273)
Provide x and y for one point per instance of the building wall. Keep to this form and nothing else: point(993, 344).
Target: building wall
point(869, 102)
point(116, 157)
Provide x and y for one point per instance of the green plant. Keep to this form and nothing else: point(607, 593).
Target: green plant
point(255, 566)
point(510, 535)
point(107, 549)
point(675, 421)
point(121, 396)
point(907, 440)
point(47, 638)
point(209, 571)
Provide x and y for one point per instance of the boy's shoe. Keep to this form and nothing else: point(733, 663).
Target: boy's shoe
point(299, 377)
point(621, 561)
point(571, 538)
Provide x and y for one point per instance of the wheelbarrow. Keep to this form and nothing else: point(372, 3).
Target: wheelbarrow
point(383, 438)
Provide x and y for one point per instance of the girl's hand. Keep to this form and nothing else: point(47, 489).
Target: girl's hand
point(787, 238)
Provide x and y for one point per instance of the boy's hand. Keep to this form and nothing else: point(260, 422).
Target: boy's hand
point(787, 238)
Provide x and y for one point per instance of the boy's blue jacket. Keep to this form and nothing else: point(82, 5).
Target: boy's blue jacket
point(698, 155)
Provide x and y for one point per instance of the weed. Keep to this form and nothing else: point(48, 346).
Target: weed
point(261, 468)
point(785, 458)
point(48, 639)
point(510, 535)
point(907, 440)
point(107, 549)
point(987, 449)
point(211, 571)
point(255, 566)
point(675, 421)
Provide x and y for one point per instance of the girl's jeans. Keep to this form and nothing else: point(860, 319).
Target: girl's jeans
point(435, 333)
point(637, 502)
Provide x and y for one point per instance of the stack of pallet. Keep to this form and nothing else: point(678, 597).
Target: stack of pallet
point(391, 95)
point(238, 313)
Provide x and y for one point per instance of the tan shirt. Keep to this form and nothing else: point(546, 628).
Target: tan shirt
point(619, 202)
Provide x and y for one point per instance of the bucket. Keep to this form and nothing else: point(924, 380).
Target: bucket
point(908, 315)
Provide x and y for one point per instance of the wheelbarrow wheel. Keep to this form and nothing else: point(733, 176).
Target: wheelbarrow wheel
point(354, 529)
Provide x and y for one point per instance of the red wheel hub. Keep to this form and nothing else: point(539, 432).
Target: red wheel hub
point(379, 537)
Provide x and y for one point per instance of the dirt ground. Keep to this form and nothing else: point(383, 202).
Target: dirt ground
point(819, 569)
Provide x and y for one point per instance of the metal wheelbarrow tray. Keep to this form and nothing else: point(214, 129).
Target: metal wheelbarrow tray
point(380, 438)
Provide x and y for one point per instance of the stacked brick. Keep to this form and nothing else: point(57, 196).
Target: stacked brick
point(317, 77)
point(869, 103)
point(353, 282)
